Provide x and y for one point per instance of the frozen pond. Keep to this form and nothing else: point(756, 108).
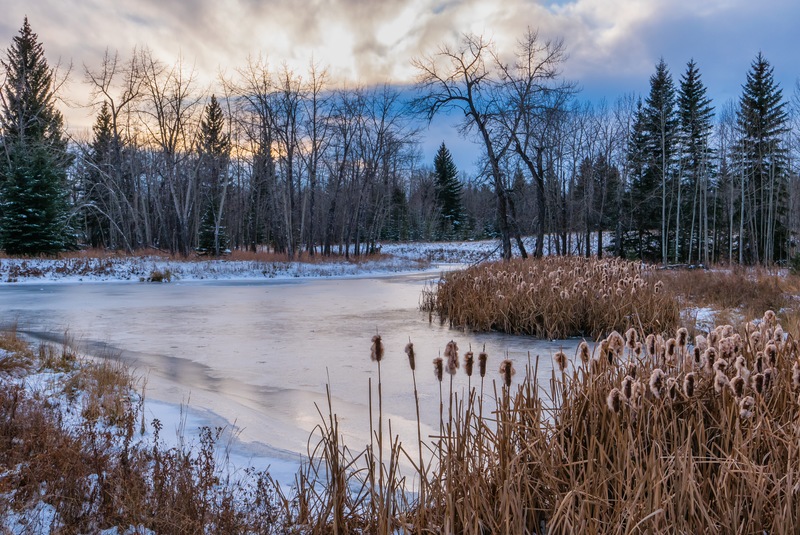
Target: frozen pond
point(258, 355)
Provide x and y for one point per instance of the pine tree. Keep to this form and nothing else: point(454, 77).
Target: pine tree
point(695, 115)
point(448, 193)
point(35, 215)
point(214, 156)
point(761, 159)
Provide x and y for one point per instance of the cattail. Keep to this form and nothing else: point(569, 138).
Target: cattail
point(737, 386)
point(614, 400)
point(656, 382)
point(700, 342)
point(720, 382)
point(658, 286)
point(631, 368)
point(650, 342)
point(627, 387)
point(451, 353)
point(670, 351)
point(713, 338)
point(688, 385)
point(507, 370)
point(768, 376)
point(376, 354)
point(759, 367)
point(771, 352)
point(769, 317)
point(683, 337)
point(583, 352)
point(561, 360)
point(411, 356)
point(631, 338)
point(438, 368)
point(638, 349)
point(469, 361)
point(737, 343)
point(746, 407)
point(672, 388)
point(796, 375)
point(755, 339)
point(482, 358)
point(757, 383)
point(778, 334)
point(720, 365)
point(616, 342)
point(710, 356)
point(697, 357)
point(741, 367)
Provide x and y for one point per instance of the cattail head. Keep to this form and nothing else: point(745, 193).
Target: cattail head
point(507, 371)
point(682, 337)
point(769, 317)
point(737, 386)
point(650, 343)
point(713, 338)
point(411, 356)
point(631, 369)
point(560, 359)
point(376, 353)
point(710, 356)
point(700, 342)
point(746, 407)
point(614, 400)
point(720, 365)
point(697, 357)
point(688, 384)
point(451, 354)
point(631, 338)
point(657, 382)
point(777, 335)
point(769, 375)
point(757, 383)
point(771, 352)
point(616, 342)
point(760, 365)
point(755, 339)
point(482, 358)
point(796, 375)
point(583, 352)
point(627, 387)
point(720, 382)
point(672, 388)
point(438, 368)
point(469, 361)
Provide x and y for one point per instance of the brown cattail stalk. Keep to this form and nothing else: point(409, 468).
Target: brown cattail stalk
point(507, 370)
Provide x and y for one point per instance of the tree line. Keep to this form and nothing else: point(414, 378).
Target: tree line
point(272, 158)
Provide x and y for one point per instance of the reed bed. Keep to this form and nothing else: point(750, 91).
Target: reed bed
point(553, 297)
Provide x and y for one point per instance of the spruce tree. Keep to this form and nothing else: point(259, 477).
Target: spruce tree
point(695, 115)
point(214, 156)
point(35, 214)
point(761, 159)
point(643, 205)
point(660, 124)
point(96, 190)
point(448, 193)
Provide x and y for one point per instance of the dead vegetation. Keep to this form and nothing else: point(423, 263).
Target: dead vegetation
point(553, 297)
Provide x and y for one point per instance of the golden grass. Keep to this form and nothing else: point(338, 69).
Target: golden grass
point(553, 297)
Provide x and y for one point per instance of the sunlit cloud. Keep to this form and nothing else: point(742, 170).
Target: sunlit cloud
point(610, 42)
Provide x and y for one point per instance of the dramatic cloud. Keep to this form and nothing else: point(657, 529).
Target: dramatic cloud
point(613, 44)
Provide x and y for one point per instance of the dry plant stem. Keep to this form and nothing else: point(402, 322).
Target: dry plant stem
point(422, 473)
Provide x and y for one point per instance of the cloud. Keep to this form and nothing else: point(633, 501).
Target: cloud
point(612, 44)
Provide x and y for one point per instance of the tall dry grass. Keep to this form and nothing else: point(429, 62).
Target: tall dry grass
point(553, 297)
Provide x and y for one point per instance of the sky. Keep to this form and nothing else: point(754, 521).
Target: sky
point(613, 45)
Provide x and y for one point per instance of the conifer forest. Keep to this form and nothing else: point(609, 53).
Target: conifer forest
point(293, 162)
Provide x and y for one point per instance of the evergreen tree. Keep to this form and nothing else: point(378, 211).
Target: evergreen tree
point(96, 191)
point(695, 115)
point(448, 193)
point(214, 156)
point(761, 159)
point(660, 127)
point(35, 215)
point(643, 205)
